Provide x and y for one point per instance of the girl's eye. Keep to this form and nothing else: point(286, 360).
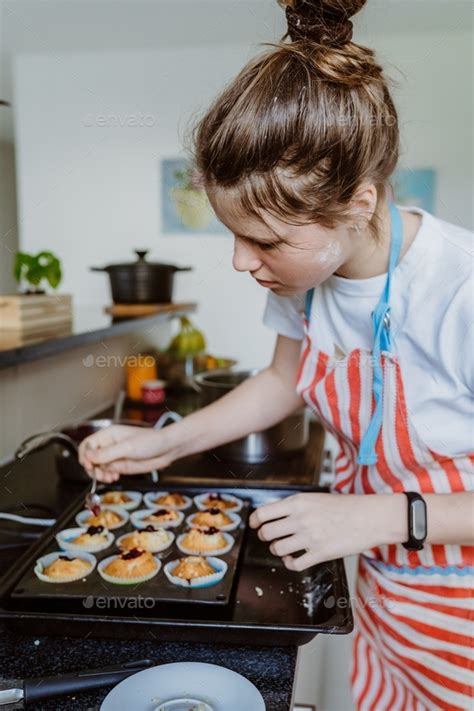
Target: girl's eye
point(266, 246)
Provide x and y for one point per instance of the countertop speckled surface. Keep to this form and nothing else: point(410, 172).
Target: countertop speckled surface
point(271, 669)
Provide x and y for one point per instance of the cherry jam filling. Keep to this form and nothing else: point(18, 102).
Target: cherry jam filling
point(130, 555)
point(94, 530)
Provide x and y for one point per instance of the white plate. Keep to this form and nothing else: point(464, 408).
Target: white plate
point(149, 500)
point(235, 523)
point(49, 558)
point(65, 537)
point(135, 497)
point(82, 516)
point(199, 501)
point(149, 690)
point(220, 551)
point(138, 516)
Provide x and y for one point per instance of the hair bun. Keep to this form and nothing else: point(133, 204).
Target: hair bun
point(326, 22)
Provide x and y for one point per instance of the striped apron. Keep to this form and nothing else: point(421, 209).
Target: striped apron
point(414, 619)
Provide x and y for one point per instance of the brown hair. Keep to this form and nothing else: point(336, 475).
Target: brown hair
point(303, 124)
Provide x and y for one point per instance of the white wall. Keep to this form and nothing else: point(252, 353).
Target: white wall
point(92, 194)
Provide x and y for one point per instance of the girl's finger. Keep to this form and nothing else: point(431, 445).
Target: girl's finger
point(302, 562)
point(277, 529)
point(287, 546)
point(269, 512)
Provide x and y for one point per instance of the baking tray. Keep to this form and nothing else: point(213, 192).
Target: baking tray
point(269, 605)
point(157, 593)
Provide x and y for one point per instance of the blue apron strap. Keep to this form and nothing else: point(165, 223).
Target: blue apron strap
point(382, 342)
point(308, 303)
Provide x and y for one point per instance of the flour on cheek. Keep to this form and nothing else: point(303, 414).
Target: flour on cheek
point(326, 260)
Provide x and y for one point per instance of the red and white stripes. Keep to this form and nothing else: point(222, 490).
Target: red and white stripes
point(415, 628)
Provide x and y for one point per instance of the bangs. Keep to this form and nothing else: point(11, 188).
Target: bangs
point(280, 194)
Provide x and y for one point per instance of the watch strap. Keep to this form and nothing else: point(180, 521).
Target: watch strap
point(417, 521)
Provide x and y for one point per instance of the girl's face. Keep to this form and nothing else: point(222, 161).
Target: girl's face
point(284, 258)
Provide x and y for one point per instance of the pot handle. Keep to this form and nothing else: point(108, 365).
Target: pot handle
point(183, 269)
point(40, 440)
point(98, 269)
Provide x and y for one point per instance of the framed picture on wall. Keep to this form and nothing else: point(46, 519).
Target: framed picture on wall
point(415, 186)
point(185, 208)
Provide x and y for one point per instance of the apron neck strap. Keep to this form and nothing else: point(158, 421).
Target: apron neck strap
point(382, 341)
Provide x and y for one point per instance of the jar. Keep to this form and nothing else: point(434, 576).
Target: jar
point(140, 369)
point(153, 392)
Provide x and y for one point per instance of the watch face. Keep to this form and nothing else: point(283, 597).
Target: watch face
point(419, 519)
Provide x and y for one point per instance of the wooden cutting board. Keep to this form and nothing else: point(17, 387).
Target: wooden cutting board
point(130, 310)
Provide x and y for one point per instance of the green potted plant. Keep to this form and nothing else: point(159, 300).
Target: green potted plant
point(36, 270)
point(34, 310)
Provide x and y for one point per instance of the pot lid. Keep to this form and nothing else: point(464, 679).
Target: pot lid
point(141, 262)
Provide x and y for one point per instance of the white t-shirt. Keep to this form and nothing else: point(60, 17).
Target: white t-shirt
point(432, 326)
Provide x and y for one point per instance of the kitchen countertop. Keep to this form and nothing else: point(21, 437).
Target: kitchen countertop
point(90, 325)
point(271, 669)
point(35, 480)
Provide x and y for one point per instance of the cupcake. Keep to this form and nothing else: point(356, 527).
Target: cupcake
point(91, 539)
point(61, 568)
point(167, 499)
point(160, 517)
point(130, 567)
point(195, 571)
point(112, 517)
point(214, 518)
point(205, 541)
point(149, 539)
point(215, 500)
point(125, 499)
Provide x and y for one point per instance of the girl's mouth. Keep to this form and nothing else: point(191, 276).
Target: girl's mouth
point(268, 284)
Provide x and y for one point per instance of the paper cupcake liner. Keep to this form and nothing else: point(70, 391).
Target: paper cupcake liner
point(163, 546)
point(138, 516)
point(199, 501)
point(46, 560)
point(204, 581)
point(129, 505)
point(236, 521)
point(149, 500)
point(82, 516)
point(220, 551)
point(63, 539)
point(125, 581)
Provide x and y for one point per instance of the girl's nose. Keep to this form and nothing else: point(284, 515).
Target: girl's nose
point(245, 259)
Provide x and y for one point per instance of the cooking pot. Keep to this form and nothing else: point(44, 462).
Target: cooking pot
point(141, 282)
point(66, 443)
point(287, 437)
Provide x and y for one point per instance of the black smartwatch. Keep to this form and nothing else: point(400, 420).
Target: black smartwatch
point(417, 521)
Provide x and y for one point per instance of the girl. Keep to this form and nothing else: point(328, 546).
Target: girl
point(372, 305)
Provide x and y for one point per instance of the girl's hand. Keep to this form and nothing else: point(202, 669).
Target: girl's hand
point(328, 526)
point(123, 449)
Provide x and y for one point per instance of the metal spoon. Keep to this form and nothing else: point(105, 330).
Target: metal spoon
point(92, 500)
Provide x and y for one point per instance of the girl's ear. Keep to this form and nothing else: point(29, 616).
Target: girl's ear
point(364, 204)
